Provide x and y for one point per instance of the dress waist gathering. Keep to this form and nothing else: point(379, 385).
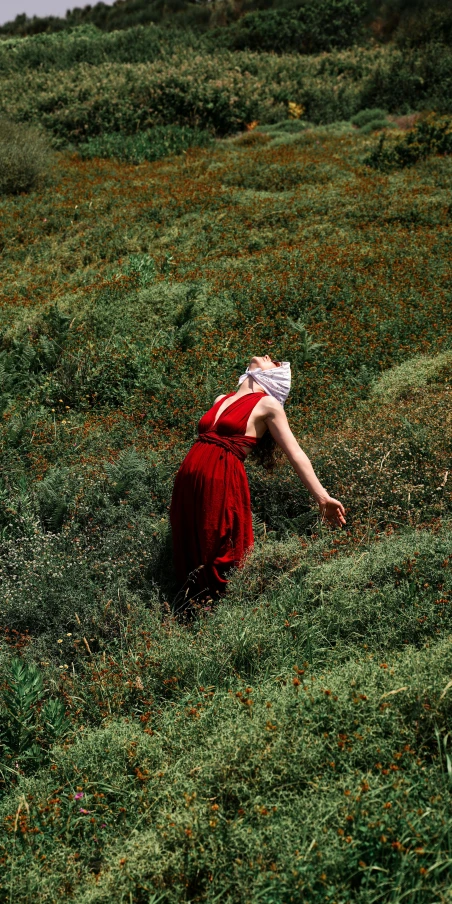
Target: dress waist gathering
point(238, 444)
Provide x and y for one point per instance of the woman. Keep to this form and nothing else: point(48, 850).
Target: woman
point(210, 509)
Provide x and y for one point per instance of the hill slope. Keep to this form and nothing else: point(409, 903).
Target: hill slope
point(294, 743)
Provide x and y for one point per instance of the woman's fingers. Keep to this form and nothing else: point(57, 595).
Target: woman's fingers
point(334, 512)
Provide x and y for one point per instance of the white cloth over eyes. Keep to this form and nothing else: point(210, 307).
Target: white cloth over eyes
point(275, 380)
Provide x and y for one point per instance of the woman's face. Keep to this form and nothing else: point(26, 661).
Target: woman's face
point(264, 362)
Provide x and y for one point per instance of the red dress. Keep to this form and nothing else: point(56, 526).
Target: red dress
point(210, 509)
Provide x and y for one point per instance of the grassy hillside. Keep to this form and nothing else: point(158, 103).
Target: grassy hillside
point(173, 201)
point(293, 745)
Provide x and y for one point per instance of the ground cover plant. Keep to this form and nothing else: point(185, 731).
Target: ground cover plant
point(295, 744)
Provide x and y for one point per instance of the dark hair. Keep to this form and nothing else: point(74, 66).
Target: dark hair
point(266, 451)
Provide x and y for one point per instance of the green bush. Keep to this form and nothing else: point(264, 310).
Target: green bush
point(150, 145)
point(223, 91)
point(424, 24)
point(25, 157)
point(28, 726)
point(376, 126)
point(314, 26)
point(432, 135)
point(292, 126)
point(410, 79)
point(365, 117)
point(368, 121)
point(87, 44)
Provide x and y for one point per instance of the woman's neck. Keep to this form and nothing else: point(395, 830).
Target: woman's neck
point(250, 385)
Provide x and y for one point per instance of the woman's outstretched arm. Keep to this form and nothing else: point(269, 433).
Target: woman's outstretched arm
point(278, 425)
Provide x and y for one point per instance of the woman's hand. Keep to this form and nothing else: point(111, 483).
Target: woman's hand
point(332, 511)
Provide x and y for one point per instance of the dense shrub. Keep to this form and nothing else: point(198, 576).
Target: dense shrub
point(424, 23)
point(408, 22)
point(25, 157)
point(158, 142)
point(292, 126)
point(312, 27)
point(411, 80)
point(431, 135)
point(224, 91)
point(137, 13)
point(87, 44)
point(371, 120)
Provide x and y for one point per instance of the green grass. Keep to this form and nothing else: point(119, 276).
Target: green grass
point(293, 745)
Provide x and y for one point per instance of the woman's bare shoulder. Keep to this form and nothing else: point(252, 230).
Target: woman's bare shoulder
point(222, 396)
point(269, 405)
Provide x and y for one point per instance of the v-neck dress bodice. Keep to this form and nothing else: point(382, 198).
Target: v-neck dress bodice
point(210, 510)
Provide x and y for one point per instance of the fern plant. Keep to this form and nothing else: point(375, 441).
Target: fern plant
point(185, 324)
point(54, 720)
point(24, 689)
point(53, 499)
point(125, 473)
point(27, 356)
point(27, 729)
point(308, 347)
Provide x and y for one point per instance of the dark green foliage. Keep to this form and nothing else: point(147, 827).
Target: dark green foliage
point(53, 499)
point(431, 135)
point(125, 475)
point(132, 14)
point(185, 324)
point(307, 27)
point(153, 144)
point(414, 81)
point(37, 351)
point(302, 23)
point(312, 26)
point(28, 727)
point(291, 126)
point(421, 23)
point(371, 120)
point(25, 157)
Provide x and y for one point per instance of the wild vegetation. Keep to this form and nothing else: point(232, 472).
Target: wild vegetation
point(302, 25)
point(295, 743)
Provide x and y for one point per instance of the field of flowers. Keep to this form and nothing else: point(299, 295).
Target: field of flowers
point(295, 744)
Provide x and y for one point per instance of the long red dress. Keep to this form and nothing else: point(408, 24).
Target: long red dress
point(210, 510)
